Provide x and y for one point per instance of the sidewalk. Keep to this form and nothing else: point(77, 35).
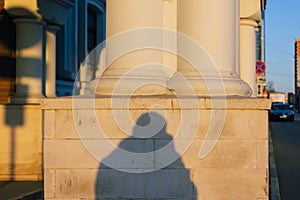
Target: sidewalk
point(273, 178)
point(25, 190)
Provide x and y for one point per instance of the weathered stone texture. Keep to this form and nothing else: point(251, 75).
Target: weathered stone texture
point(21, 142)
point(236, 167)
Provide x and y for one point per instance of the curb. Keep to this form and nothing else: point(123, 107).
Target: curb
point(34, 195)
point(21, 190)
point(274, 193)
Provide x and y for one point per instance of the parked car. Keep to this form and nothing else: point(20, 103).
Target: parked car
point(281, 111)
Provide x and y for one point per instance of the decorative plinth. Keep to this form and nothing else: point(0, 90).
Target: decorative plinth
point(105, 148)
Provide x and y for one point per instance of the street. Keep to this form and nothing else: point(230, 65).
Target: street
point(286, 141)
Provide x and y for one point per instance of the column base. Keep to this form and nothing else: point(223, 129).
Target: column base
point(147, 79)
point(190, 86)
point(211, 87)
point(26, 99)
point(147, 82)
point(51, 95)
point(129, 86)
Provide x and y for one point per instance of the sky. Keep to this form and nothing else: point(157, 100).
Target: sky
point(282, 27)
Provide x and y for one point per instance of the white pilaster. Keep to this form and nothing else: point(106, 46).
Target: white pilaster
point(84, 79)
point(248, 52)
point(131, 71)
point(51, 60)
point(29, 60)
point(170, 23)
point(250, 15)
point(214, 25)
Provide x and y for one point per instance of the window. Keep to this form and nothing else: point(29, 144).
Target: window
point(66, 49)
point(83, 31)
point(96, 24)
point(92, 30)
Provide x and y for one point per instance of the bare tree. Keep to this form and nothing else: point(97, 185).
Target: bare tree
point(270, 86)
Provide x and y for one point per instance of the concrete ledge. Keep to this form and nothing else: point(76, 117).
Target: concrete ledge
point(145, 102)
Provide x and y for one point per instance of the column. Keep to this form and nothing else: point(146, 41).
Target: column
point(51, 60)
point(131, 69)
point(250, 15)
point(29, 60)
point(84, 79)
point(214, 26)
point(248, 52)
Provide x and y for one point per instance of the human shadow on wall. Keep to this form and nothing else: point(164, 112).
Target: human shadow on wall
point(126, 179)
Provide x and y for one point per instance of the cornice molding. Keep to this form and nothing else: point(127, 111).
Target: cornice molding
point(53, 11)
point(25, 9)
point(263, 4)
point(251, 9)
point(65, 3)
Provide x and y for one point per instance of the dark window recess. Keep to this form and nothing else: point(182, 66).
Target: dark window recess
point(61, 73)
point(92, 30)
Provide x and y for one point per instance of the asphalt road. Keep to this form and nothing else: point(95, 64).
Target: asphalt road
point(286, 141)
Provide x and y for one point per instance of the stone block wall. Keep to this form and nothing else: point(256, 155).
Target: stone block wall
point(21, 142)
point(79, 161)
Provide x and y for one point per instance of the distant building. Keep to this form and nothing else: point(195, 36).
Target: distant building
point(260, 39)
point(297, 74)
point(291, 99)
point(260, 55)
point(44, 42)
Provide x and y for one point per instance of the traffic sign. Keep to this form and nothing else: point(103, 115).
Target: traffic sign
point(260, 67)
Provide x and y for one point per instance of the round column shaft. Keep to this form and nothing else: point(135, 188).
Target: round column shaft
point(214, 25)
point(51, 60)
point(124, 72)
point(29, 60)
point(248, 52)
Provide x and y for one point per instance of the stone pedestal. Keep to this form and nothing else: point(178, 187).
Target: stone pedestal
point(248, 53)
point(108, 148)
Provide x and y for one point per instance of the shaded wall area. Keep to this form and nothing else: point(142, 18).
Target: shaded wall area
point(21, 143)
point(21, 127)
point(7, 55)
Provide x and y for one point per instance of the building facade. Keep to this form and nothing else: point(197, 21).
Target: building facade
point(42, 44)
point(261, 81)
point(297, 75)
point(43, 50)
point(73, 33)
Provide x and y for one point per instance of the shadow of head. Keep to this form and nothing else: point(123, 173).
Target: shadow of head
point(150, 125)
point(148, 135)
